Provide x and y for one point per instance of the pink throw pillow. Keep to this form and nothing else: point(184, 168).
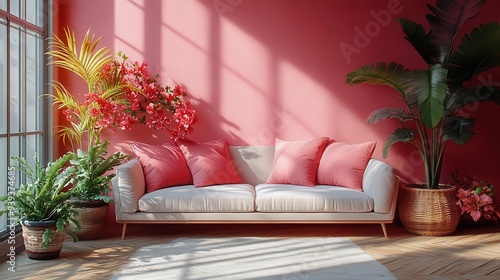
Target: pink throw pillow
point(209, 162)
point(163, 166)
point(297, 162)
point(344, 164)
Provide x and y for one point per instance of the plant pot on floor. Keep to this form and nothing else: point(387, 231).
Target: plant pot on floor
point(429, 211)
point(32, 234)
point(92, 217)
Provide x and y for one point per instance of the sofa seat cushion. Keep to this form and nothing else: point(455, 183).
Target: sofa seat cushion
point(320, 198)
point(188, 198)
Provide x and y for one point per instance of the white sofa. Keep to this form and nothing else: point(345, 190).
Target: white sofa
point(255, 201)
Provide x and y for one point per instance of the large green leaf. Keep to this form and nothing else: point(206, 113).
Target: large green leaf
point(477, 52)
point(390, 113)
point(463, 97)
point(430, 89)
point(420, 40)
point(399, 135)
point(459, 129)
point(393, 75)
point(447, 19)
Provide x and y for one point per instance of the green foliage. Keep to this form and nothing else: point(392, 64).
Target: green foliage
point(90, 172)
point(434, 97)
point(43, 198)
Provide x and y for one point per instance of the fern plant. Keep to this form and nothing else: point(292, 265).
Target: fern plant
point(89, 171)
point(435, 96)
point(43, 197)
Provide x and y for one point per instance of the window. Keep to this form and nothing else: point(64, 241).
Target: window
point(24, 113)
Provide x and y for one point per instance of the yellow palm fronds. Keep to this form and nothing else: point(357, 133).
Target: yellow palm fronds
point(86, 62)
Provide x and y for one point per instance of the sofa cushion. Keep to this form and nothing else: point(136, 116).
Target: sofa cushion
point(209, 162)
point(163, 166)
point(297, 162)
point(218, 198)
point(321, 198)
point(344, 164)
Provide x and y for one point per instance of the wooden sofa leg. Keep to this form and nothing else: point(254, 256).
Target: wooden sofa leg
point(124, 229)
point(384, 229)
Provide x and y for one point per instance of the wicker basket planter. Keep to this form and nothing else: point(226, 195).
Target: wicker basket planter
point(32, 234)
point(429, 211)
point(92, 218)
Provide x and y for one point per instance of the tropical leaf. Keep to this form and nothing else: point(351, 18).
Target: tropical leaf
point(477, 53)
point(420, 40)
point(390, 113)
point(85, 62)
point(430, 89)
point(447, 19)
point(399, 135)
point(463, 97)
point(46, 238)
point(459, 129)
point(393, 75)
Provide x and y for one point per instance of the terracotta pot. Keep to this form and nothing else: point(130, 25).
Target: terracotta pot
point(429, 211)
point(32, 234)
point(92, 218)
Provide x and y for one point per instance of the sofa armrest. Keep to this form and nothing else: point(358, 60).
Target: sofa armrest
point(128, 187)
point(381, 184)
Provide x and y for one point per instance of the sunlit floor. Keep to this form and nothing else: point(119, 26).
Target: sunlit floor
point(470, 253)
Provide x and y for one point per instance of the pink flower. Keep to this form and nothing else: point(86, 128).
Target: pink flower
point(474, 198)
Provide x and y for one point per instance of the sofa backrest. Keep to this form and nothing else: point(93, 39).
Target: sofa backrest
point(252, 163)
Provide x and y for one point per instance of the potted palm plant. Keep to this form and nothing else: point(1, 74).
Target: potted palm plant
point(433, 99)
point(120, 95)
point(41, 205)
point(90, 186)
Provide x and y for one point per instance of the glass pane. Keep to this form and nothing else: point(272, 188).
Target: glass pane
point(31, 147)
point(16, 76)
point(14, 148)
point(15, 151)
point(3, 5)
point(3, 78)
point(15, 8)
point(40, 89)
point(34, 12)
point(34, 81)
point(4, 182)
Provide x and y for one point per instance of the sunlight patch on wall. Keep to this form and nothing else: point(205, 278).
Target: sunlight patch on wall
point(126, 29)
point(185, 47)
point(309, 101)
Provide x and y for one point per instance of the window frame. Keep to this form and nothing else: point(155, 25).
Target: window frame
point(43, 117)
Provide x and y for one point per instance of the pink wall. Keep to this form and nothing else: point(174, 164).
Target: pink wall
point(259, 69)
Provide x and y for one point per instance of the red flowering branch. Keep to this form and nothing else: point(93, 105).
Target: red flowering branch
point(120, 94)
point(143, 101)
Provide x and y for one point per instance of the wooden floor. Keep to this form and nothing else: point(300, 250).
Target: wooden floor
point(470, 253)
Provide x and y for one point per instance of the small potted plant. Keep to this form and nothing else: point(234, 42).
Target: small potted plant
point(90, 179)
point(41, 206)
